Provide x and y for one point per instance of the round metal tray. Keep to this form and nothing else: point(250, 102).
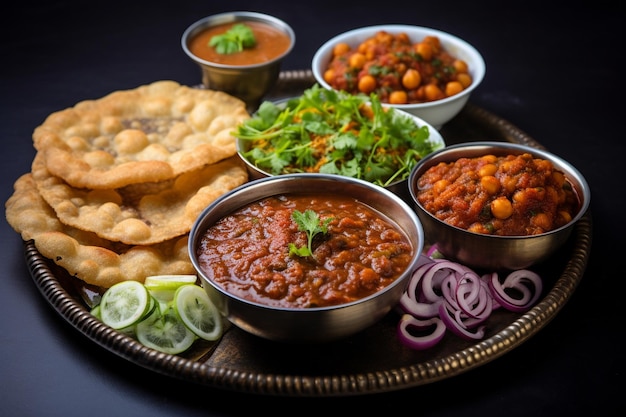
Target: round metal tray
point(372, 361)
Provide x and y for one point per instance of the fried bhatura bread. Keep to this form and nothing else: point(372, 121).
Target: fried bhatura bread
point(154, 132)
point(83, 254)
point(139, 214)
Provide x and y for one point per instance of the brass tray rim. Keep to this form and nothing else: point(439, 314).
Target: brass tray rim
point(352, 384)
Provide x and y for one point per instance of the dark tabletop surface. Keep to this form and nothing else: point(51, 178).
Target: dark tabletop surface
point(551, 71)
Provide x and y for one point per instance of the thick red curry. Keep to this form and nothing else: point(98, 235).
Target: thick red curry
point(512, 195)
point(247, 252)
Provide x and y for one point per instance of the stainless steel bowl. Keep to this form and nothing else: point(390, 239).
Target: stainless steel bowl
point(318, 324)
point(488, 251)
point(250, 82)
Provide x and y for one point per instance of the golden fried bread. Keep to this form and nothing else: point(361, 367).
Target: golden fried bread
point(139, 214)
point(151, 133)
point(83, 254)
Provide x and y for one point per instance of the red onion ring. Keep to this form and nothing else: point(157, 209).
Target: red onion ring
point(519, 282)
point(445, 295)
point(426, 341)
point(457, 326)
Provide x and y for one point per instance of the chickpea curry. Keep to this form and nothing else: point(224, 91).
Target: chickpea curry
point(512, 195)
point(398, 69)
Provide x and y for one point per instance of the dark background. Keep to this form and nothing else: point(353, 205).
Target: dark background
point(556, 72)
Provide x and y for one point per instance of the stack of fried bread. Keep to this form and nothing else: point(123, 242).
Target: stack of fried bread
point(117, 183)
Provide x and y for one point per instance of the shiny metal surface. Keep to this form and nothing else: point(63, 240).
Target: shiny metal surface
point(250, 82)
point(488, 251)
point(313, 324)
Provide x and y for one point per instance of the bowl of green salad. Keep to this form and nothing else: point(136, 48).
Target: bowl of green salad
point(337, 133)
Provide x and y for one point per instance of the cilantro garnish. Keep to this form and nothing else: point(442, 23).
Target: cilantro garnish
point(334, 132)
point(238, 37)
point(310, 223)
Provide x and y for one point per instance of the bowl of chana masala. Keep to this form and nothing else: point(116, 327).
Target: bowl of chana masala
point(306, 257)
point(424, 71)
point(498, 205)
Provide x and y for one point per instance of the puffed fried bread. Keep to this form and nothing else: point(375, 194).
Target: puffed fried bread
point(83, 254)
point(154, 132)
point(139, 214)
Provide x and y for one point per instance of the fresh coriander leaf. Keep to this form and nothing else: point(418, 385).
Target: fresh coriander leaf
point(236, 39)
point(310, 223)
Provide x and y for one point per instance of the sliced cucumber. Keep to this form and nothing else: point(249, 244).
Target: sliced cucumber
point(125, 304)
point(168, 282)
point(195, 309)
point(96, 312)
point(165, 332)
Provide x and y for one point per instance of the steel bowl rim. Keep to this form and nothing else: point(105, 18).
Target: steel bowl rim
point(199, 227)
point(227, 17)
point(585, 196)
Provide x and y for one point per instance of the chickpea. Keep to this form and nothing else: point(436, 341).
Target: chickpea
point(453, 87)
point(509, 184)
point(365, 45)
point(520, 197)
point(440, 186)
point(559, 178)
point(490, 159)
point(425, 50)
point(464, 79)
point(403, 37)
point(357, 60)
point(340, 49)
point(501, 208)
point(433, 41)
point(400, 67)
point(398, 97)
point(488, 169)
point(432, 92)
point(542, 221)
point(370, 53)
point(490, 184)
point(460, 65)
point(329, 76)
point(411, 79)
point(420, 93)
point(367, 84)
point(565, 216)
point(384, 38)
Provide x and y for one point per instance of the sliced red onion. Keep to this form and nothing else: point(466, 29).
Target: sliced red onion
point(519, 282)
point(409, 327)
point(457, 326)
point(419, 310)
point(430, 283)
point(473, 298)
point(446, 295)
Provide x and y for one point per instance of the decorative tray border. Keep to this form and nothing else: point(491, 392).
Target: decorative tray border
point(231, 364)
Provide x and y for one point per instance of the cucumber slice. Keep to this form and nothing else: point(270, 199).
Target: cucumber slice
point(165, 332)
point(168, 282)
point(163, 287)
point(195, 309)
point(96, 312)
point(125, 304)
